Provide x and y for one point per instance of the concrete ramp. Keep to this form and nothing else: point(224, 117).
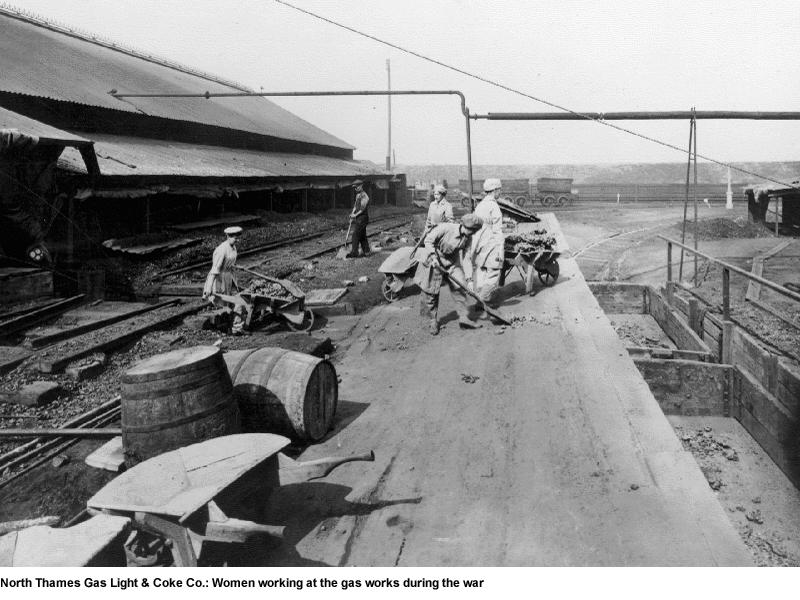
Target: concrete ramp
point(539, 446)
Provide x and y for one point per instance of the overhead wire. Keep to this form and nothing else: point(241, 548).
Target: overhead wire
point(529, 96)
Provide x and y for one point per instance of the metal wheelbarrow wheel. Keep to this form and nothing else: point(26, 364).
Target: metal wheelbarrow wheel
point(549, 273)
point(306, 325)
point(388, 287)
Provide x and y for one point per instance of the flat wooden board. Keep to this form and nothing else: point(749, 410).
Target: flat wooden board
point(178, 483)
point(110, 456)
point(11, 356)
point(324, 297)
point(129, 247)
point(75, 546)
point(215, 222)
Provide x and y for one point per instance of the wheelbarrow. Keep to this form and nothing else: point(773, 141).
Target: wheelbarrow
point(188, 496)
point(286, 302)
point(398, 269)
point(542, 264)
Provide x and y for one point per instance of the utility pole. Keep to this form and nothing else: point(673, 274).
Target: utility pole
point(389, 103)
point(729, 193)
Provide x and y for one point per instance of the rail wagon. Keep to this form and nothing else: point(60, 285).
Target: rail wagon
point(554, 191)
point(516, 191)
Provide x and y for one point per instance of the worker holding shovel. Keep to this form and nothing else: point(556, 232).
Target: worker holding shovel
point(440, 259)
point(359, 218)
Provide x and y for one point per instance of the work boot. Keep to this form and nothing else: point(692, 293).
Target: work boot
point(468, 324)
point(433, 329)
point(350, 255)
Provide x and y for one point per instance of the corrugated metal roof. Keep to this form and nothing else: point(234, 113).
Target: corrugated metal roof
point(39, 62)
point(45, 133)
point(122, 155)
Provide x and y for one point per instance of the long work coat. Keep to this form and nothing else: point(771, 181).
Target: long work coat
point(220, 277)
point(448, 243)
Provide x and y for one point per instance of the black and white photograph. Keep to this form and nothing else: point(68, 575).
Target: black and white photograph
point(420, 288)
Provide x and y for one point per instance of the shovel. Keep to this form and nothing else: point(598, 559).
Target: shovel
point(489, 311)
point(343, 250)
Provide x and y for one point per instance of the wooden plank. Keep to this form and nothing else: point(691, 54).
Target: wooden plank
point(179, 482)
point(678, 331)
point(324, 297)
point(46, 340)
point(753, 287)
point(141, 249)
point(110, 456)
point(215, 223)
point(11, 357)
point(58, 364)
point(78, 546)
point(36, 316)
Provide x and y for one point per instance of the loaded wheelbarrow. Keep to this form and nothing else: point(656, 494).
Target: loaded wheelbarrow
point(275, 299)
point(534, 253)
point(180, 499)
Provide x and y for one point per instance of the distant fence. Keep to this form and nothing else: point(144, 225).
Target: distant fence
point(607, 192)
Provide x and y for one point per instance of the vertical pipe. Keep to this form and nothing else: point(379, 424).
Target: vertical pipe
point(469, 161)
point(389, 104)
point(686, 199)
point(694, 194)
point(726, 295)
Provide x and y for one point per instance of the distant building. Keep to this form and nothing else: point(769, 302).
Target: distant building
point(97, 166)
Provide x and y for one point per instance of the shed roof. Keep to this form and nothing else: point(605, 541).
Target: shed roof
point(132, 156)
point(39, 61)
point(44, 132)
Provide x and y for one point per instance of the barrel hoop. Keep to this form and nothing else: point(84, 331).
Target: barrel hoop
point(182, 421)
point(133, 376)
point(195, 384)
point(240, 364)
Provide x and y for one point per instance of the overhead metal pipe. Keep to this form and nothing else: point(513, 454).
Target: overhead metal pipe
point(641, 115)
point(208, 95)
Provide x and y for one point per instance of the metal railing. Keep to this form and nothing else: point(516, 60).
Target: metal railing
point(727, 269)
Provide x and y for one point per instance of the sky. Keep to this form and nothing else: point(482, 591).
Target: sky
point(584, 55)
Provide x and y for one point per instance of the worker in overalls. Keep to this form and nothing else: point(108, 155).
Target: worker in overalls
point(442, 252)
point(360, 217)
point(487, 251)
point(440, 210)
point(220, 278)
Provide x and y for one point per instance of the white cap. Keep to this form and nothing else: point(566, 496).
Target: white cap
point(491, 185)
point(440, 189)
point(235, 230)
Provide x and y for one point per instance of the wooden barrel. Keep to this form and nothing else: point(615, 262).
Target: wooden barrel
point(285, 392)
point(176, 399)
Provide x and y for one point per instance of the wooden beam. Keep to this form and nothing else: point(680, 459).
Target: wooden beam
point(40, 314)
point(46, 340)
point(58, 364)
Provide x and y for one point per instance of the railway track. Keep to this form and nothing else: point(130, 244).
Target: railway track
point(306, 245)
point(22, 459)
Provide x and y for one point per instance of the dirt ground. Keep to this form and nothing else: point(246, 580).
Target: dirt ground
point(760, 501)
point(394, 341)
